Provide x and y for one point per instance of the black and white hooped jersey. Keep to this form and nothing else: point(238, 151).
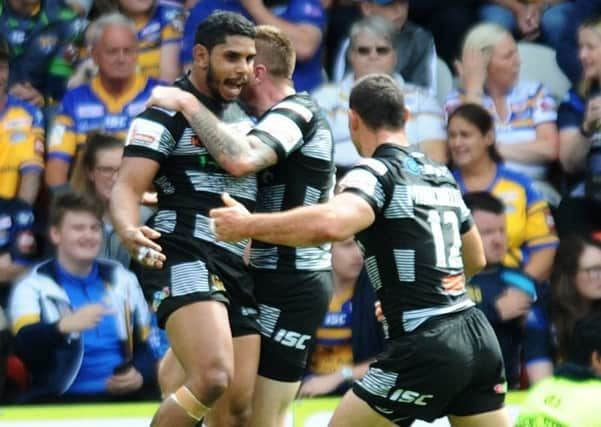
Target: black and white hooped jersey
point(304, 175)
point(412, 251)
point(189, 182)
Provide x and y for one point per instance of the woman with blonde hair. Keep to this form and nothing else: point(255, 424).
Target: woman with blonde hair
point(524, 112)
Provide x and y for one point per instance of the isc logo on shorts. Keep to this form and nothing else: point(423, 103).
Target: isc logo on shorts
point(291, 339)
point(409, 396)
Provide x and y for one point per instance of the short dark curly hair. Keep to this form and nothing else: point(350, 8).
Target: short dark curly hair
point(219, 25)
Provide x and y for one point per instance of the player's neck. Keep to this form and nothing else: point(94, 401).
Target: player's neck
point(3, 100)
point(387, 136)
point(272, 94)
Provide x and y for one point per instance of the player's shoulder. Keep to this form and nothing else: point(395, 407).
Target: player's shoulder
point(301, 104)
point(375, 165)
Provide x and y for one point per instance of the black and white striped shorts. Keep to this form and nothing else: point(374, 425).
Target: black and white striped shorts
point(200, 271)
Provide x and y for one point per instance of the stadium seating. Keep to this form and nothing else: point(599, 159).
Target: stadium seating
point(538, 64)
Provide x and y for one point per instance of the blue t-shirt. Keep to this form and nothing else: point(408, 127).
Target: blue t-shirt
point(102, 347)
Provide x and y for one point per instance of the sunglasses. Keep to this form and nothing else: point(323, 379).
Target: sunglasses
point(367, 50)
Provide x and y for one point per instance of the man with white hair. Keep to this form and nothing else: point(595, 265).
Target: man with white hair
point(108, 103)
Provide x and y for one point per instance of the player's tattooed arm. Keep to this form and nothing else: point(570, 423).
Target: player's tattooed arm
point(237, 153)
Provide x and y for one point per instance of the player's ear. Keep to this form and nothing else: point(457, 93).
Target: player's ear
point(259, 72)
point(353, 119)
point(201, 56)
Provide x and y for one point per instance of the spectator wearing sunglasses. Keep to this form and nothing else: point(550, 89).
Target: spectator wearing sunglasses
point(415, 52)
point(372, 49)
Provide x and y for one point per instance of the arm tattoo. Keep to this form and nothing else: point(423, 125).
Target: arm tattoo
point(228, 146)
point(219, 141)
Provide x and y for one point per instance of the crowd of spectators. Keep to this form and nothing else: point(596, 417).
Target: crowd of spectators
point(74, 73)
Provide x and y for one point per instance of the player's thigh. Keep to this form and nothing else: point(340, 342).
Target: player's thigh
point(354, 412)
point(200, 336)
point(498, 418)
point(271, 401)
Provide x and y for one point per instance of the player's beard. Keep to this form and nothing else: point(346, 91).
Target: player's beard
point(213, 84)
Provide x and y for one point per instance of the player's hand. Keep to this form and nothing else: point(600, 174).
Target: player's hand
point(139, 242)
point(320, 385)
point(379, 312)
point(87, 317)
point(228, 223)
point(130, 380)
point(168, 97)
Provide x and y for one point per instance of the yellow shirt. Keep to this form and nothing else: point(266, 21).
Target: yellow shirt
point(530, 225)
point(90, 107)
point(333, 340)
point(164, 27)
point(21, 144)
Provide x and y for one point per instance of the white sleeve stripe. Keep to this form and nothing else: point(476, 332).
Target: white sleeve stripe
point(297, 108)
point(284, 130)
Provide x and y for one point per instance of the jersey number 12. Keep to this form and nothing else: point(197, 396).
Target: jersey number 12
point(445, 232)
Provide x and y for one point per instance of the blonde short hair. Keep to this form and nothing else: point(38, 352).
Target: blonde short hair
point(484, 37)
point(275, 51)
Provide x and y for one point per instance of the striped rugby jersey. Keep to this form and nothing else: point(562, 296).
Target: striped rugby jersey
point(412, 251)
point(304, 175)
point(189, 182)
